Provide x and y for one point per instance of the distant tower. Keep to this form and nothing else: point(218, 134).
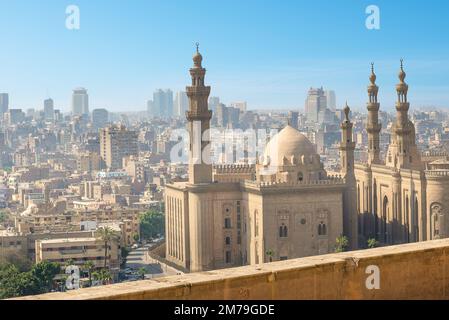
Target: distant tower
point(293, 119)
point(347, 147)
point(372, 125)
point(49, 109)
point(403, 152)
point(200, 168)
point(80, 102)
point(4, 103)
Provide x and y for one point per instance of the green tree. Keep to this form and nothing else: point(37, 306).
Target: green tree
point(372, 243)
point(102, 275)
point(152, 223)
point(69, 263)
point(136, 237)
point(3, 216)
point(39, 279)
point(9, 285)
point(107, 235)
point(270, 254)
point(342, 244)
point(44, 273)
point(89, 267)
point(141, 272)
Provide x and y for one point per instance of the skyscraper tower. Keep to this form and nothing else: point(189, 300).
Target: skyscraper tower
point(198, 116)
point(49, 109)
point(372, 126)
point(403, 152)
point(350, 215)
point(80, 102)
point(4, 103)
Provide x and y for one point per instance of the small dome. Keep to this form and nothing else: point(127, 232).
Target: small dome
point(197, 57)
point(288, 143)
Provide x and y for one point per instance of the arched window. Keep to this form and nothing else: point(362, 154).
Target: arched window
point(283, 231)
point(300, 176)
point(228, 241)
point(407, 219)
point(376, 217)
point(358, 198)
point(322, 229)
point(383, 229)
point(416, 210)
point(256, 223)
point(437, 217)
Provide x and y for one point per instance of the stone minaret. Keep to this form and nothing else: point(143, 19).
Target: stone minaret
point(403, 152)
point(372, 125)
point(199, 115)
point(347, 147)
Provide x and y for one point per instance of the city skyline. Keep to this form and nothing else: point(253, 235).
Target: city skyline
point(268, 56)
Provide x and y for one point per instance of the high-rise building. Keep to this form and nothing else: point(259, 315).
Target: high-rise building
point(58, 115)
point(331, 99)
point(49, 109)
point(80, 102)
point(150, 108)
point(241, 105)
point(315, 102)
point(293, 119)
point(234, 116)
point(100, 118)
point(213, 103)
point(116, 143)
point(4, 103)
point(181, 104)
point(13, 116)
point(222, 115)
point(163, 103)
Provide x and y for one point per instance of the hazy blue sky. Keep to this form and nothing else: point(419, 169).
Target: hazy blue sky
point(266, 52)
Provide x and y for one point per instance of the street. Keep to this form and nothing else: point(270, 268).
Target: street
point(138, 259)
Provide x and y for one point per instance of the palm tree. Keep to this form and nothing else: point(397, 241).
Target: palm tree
point(102, 275)
point(270, 254)
point(372, 243)
point(342, 243)
point(107, 235)
point(89, 266)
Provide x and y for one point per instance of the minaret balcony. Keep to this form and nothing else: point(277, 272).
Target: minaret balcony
point(199, 115)
point(198, 91)
point(373, 128)
point(402, 106)
point(373, 106)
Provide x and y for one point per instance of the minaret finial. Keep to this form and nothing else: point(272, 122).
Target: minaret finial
point(347, 110)
point(197, 47)
point(402, 72)
point(372, 77)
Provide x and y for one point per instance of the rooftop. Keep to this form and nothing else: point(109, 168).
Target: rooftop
point(409, 271)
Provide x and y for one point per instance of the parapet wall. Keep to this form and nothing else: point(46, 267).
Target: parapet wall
point(410, 271)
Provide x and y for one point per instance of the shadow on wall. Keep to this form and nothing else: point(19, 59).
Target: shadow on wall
point(386, 232)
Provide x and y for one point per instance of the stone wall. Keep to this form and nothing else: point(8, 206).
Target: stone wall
point(410, 271)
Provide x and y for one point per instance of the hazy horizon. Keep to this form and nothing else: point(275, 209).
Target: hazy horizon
point(268, 55)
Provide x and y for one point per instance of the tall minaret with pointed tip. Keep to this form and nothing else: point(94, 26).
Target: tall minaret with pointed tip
point(372, 125)
point(350, 215)
point(198, 116)
point(403, 152)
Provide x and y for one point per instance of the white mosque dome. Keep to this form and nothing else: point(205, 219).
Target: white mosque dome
point(285, 145)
